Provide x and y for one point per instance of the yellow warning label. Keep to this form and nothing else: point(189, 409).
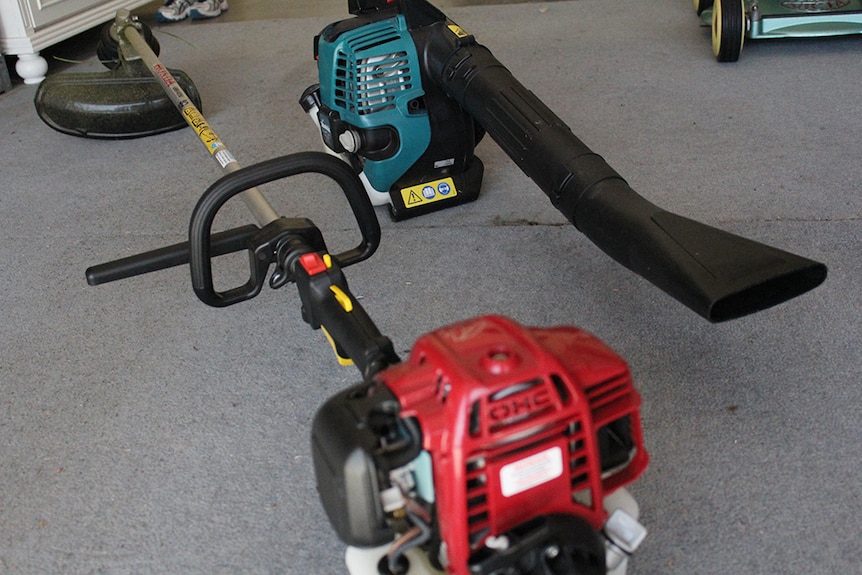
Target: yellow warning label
point(427, 193)
point(458, 31)
point(199, 124)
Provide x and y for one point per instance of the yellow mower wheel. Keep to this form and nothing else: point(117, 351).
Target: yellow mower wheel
point(728, 29)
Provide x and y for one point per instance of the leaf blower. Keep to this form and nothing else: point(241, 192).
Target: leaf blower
point(404, 96)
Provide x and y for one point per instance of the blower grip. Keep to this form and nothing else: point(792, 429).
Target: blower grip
point(719, 275)
point(262, 253)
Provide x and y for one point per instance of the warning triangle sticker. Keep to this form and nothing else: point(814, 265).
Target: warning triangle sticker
point(414, 198)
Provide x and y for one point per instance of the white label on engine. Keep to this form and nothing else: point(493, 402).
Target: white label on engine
point(531, 471)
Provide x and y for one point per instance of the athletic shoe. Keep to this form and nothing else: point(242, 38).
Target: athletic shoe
point(174, 11)
point(207, 9)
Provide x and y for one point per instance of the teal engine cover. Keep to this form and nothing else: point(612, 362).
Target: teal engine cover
point(370, 76)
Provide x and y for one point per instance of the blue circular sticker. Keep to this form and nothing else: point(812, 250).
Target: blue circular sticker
point(444, 188)
point(428, 192)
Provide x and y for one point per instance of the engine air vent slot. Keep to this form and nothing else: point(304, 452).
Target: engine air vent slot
point(608, 391)
point(367, 85)
point(478, 513)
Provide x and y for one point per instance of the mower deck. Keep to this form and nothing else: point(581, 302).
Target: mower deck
point(734, 20)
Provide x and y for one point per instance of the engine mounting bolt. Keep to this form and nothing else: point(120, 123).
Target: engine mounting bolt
point(551, 551)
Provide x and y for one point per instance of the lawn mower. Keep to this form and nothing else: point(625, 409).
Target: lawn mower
point(733, 21)
point(494, 449)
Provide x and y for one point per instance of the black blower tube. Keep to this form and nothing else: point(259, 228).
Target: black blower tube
point(719, 275)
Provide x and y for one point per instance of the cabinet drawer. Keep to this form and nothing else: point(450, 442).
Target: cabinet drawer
point(45, 12)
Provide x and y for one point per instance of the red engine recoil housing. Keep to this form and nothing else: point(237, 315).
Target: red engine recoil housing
point(510, 416)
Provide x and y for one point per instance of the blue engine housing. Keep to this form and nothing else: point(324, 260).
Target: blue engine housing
point(370, 76)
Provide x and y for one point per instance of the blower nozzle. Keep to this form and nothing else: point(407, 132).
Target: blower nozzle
point(717, 274)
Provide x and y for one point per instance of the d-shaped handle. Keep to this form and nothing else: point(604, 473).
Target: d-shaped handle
point(261, 247)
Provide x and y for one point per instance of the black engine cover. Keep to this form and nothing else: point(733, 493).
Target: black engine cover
point(356, 439)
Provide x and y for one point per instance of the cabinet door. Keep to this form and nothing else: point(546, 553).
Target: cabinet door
point(45, 12)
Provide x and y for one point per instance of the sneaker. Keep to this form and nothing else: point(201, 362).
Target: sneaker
point(207, 9)
point(174, 11)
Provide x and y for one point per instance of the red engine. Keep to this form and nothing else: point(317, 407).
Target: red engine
point(492, 450)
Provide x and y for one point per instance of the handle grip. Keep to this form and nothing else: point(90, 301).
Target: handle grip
point(226, 242)
point(328, 304)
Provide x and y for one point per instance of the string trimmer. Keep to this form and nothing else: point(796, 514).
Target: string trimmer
point(404, 95)
point(494, 448)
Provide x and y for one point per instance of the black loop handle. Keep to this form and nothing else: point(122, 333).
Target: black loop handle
point(200, 227)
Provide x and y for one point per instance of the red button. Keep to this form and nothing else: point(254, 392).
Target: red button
point(313, 263)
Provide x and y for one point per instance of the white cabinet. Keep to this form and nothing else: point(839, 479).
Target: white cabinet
point(28, 26)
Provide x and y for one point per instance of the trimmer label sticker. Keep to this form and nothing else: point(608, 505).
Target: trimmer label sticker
point(427, 193)
point(197, 121)
point(531, 471)
point(164, 75)
point(224, 157)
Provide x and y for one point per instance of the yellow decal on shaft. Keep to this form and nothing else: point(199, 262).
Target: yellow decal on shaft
point(197, 121)
point(427, 193)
